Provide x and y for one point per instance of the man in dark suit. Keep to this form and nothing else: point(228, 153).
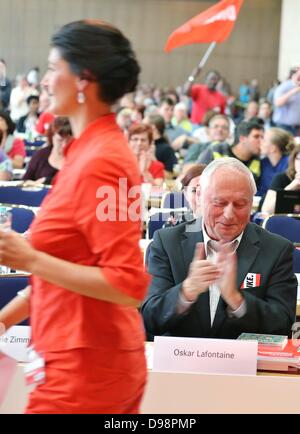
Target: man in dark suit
point(220, 276)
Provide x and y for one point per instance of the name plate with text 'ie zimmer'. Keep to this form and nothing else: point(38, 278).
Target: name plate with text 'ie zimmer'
point(209, 356)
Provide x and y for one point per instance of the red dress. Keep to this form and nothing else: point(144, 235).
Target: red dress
point(94, 350)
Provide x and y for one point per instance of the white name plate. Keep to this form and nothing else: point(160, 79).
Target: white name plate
point(15, 341)
point(212, 356)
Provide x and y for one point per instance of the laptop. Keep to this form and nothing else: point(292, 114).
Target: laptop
point(287, 201)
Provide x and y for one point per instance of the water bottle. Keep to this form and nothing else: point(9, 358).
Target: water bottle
point(5, 225)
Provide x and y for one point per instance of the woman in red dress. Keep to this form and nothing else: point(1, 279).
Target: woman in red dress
point(87, 273)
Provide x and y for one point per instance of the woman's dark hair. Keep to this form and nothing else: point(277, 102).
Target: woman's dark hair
point(97, 51)
point(194, 171)
point(10, 124)
point(159, 123)
point(291, 172)
point(61, 126)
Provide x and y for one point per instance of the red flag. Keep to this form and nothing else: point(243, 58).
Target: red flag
point(213, 25)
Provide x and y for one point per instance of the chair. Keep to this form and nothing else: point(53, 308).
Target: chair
point(9, 286)
point(22, 217)
point(156, 221)
point(286, 225)
point(174, 199)
point(296, 261)
point(19, 195)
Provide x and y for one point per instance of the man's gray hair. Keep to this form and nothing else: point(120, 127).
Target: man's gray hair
point(225, 162)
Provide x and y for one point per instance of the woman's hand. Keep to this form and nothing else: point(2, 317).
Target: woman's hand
point(16, 252)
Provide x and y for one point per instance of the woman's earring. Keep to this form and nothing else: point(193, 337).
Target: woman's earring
point(80, 98)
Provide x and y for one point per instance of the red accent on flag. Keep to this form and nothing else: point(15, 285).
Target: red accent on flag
point(213, 25)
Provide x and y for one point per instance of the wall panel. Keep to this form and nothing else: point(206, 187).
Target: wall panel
point(251, 51)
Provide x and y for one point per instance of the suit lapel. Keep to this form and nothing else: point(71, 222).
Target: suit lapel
point(190, 237)
point(246, 255)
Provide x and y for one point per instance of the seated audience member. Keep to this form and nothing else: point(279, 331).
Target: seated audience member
point(265, 113)
point(219, 130)
point(18, 97)
point(190, 183)
point(47, 161)
point(275, 147)
point(201, 132)
point(163, 150)
point(246, 149)
point(45, 117)
point(27, 124)
point(12, 146)
point(288, 180)
point(6, 170)
point(180, 117)
point(124, 119)
point(177, 136)
point(140, 138)
point(220, 276)
point(5, 86)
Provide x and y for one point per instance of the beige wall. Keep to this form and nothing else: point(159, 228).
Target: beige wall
point(251, 51)
point(289, 53)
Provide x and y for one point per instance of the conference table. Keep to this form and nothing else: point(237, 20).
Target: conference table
point(186, 393)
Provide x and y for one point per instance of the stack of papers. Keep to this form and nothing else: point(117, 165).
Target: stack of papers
point(265, 341)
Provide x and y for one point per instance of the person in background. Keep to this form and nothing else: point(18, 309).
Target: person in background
point(163, 150)
point(205, 97)
point(220, 276)
point(27, 124)
point(219, 133)
point(288, 180)
point(246, 149)
point(287, 103)
point(190, 183)
point(18, 97)
point(180, 117)
point(244, 92)
point(33, 77)
point(190, 187)
point(124, 119)
point(6, 169)
point(251, 111)
point(140, 138)
point(275, 148)
point(12, 146)
point(47, 161)
point(5, 87)
point(87, 269)
point(45, 117)
point(265, 113)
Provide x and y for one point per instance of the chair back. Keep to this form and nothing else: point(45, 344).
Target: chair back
point(22, 217)
point(18, 195)
point(174, 199)
point(296, 261)
point(9, 286)
point(157, 220)
point(286, 225)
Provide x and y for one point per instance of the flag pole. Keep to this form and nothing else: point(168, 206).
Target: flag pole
point(206, 55)
point(198, 69)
